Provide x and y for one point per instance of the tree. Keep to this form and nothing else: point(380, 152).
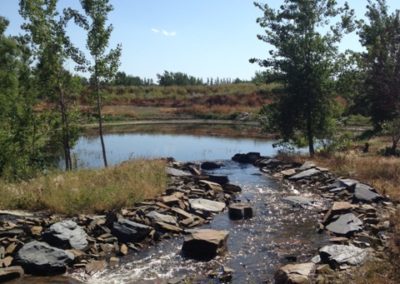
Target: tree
point(381, 38)
point(104, 65)
point(52, 47)
point(302, 59)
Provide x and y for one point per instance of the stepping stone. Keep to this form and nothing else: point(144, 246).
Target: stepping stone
point(238, 211)
point(295, 273)
point(207, 205)
point(205, 244)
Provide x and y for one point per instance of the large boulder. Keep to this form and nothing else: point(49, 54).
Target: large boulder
point(295, 273)
point(239, 211)
point(337, 255)
point(210, 165)
point(39, 258)
point(205, 244)
point(345, 224)
point(66, 234)
point(207, 205)
point(128, 231)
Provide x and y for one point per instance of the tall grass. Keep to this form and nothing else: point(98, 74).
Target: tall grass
point(87, 191)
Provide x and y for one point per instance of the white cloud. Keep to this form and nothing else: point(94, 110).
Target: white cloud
point(163, 32)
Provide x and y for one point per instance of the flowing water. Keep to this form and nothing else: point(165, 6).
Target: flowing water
point(256, 247)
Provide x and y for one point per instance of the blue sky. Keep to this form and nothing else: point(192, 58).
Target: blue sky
point(204, 38)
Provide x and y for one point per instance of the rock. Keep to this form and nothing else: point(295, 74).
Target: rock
point(11, 273)
point(11, 233)
point(114, 262)
point(16, 213)
point(206, 205)
point(337, 255)
point(6, 262)
point(345, 224)
point(288, 173)
point(222, 180)
point(295, 273)
point(348, 183)
point(95, 266)
point(177, 280)
point(210, 165)
point(205, 244)
point(299, 200)
point(177, 173)
point(168, 227)
point(305, 174)
point(342, 206)
point(239, 211)
point(36, 230)
point(124, 249)
point(128, 231)
point(39, 258)
point(365, 193)
point(306, 166)
point(66, 234)
point(158, 217)
point(216, 187)
point(231, 188)
point(248, 158)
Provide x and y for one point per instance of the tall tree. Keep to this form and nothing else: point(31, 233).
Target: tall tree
point(302, 59)
point(381, 38)
point(46, 29)
point(104, 64)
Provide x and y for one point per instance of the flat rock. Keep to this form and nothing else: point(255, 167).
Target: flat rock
point(306, 166)
point(231, 188)
point(177, 173)
point(239, 211)
point(39, 258)
point(128, 231)
point(365, 193)
point(11, 273)
point(207, 205)
point(348, 183)
point(341, 206)
point(66, 234)
point(337, 255)
point(305, 174)
point(95, 266)
point(16, 213)
point(345, 224)
point(205, 244)
point(295, 273)
point(298, 200)
point(288, 173)
point(212, 185)
point(158, 217)
point(218, 179)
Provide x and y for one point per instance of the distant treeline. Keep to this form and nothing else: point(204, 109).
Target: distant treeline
point(181, 79)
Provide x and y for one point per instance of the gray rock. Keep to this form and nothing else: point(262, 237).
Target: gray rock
point(248, 158)
point(305, 174)
point(11, 273)
point(345, 224)
point(337, 255)
point(205, 244)
point(306, 166)
point(231, 188)
point(295, 273)
point(211, 165)
point(39, 258)
point(177, 173)
point(66, 234)
point(299, 201)
point(158, 217)
point(206, 205)
point(128, 231)
point(365, 193)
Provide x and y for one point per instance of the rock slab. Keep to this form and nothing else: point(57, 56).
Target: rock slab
point(238, 211)
point(337, 255)
point(295, 273)
point(66, 235)
point(128, 231)
point(205, 244)
point(11, 273)
point(207, 205)
point(345, 224)
point(39, 258)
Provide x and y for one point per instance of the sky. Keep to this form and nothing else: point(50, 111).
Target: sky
point(203, 38)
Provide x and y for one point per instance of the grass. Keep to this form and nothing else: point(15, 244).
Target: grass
point(87, 191)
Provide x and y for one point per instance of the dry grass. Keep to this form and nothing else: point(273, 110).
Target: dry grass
point(87, 191)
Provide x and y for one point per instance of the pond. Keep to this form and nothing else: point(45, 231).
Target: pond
point(184, 143)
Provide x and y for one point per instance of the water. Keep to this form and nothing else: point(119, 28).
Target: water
point(121, 147)
point(256, 247)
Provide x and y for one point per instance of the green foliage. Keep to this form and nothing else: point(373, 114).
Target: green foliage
point(381, 37)
point(177, 79)
point(303, 62)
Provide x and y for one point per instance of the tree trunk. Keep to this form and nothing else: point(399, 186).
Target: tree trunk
point(310, 136)
point(65, 131)
point(103, 147)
